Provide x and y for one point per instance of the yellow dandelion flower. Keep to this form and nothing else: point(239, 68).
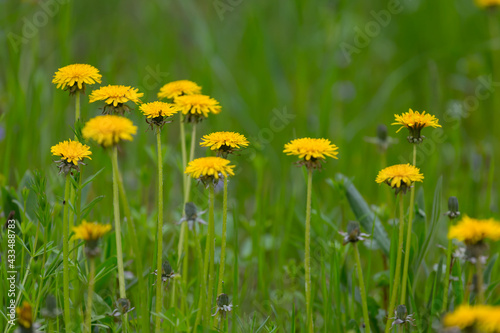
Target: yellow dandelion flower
point(196, 107)
point(224, 142)
point(90, 231)
point(487, 3)
point(158, 113)
point(158, 109)
point(484, 317)
point(178, 88)
point(472, 231)
point(24, 315)
point(115, 97)
point(311, 150)
point(209, 168)
point(108, 130)
point(71, 151)
point(75, 77)
point(415, 121)
point(463, 317)
point(400, 176)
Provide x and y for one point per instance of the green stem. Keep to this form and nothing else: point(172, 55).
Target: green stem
point(468, 284)
point(88, 318)
point(159, 255)
point(183, 247)
point(408, 234)
point(480, 281)
point(67, 316)
point(201, 278)
point(77, 106)
point(362, 288)
point(116, 212)
point(209, 255)
point(448, 272)
point(136, 252)
point(307, 259)
point(397, 273)
point(223, 241)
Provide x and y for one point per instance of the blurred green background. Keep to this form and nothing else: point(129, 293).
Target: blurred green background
point(260, 60)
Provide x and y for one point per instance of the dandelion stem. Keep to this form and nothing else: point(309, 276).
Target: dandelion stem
point(223, 241)
point(362, 288)
point(88, 319)
point(201, 277)
point(307, 258)
point(209, 255)
point(67, 316)
point(408, 234)
point(480, 281)
point(397, 273)
point(159, 255)
point(448, 272)
point(116, 213)
point(77, 106)
point(183, 247)
point(136, 252)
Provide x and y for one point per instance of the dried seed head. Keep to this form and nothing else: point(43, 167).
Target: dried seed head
point(353, 233)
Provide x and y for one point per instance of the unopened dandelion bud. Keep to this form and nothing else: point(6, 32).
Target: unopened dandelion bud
point(353, 233)
point(401, 311)
point(382, 132)
point(453, 211)
point(223, 300)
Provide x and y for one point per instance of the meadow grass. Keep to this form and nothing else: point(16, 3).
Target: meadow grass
point(279, 73)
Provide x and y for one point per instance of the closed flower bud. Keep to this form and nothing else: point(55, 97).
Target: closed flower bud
point(453, 211)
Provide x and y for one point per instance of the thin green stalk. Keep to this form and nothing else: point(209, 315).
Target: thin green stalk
point(223, 242)
point(480, 281)
point(470, 275)
point(116, 213)
point(209, 255)
point(362, 288)
point(408, 234)
point(201, 278)
point(136, 252)
point(447, 273)
point(67, 316)
point(88, 318)
point(307, 259)
point(494, 27)
point(159, 255)
point(183, 247)
point(77, 106)
point(397, 273)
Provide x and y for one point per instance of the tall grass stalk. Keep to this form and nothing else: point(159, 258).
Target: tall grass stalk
point(159, 255)
point(116, 213)
point(67, 315)
point(362, 290)
point(480, 281)
point(223, 241)
point(448, 272)
point(397, 273)
point(88, 317)
point(408, 234)
point(307, 259)
point(136, 252)
point(209, 256)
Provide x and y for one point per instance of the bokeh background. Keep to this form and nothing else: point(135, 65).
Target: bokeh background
point(281, 70)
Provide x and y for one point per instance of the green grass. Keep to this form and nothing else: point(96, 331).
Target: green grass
point(262, 59)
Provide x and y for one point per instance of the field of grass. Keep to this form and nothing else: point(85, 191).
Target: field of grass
point(281, 70)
